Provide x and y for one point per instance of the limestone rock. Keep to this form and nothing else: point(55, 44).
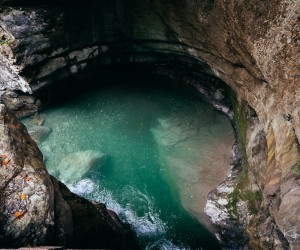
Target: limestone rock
point(26, 190)
point(75, 166)
point(288, 216)
point(39, 133)
point(21, 104)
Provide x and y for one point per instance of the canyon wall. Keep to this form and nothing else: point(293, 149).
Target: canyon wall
point(253, 47)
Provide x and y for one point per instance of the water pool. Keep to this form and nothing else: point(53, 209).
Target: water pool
point(151, 155)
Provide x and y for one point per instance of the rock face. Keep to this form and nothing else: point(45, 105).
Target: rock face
point(253, 47)
point(37, 210)
point(26, 189)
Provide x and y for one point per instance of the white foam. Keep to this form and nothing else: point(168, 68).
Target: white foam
point(146, 224)
point(164, 245)
point(85, 186)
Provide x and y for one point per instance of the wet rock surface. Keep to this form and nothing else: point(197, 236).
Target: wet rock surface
point(36, 210)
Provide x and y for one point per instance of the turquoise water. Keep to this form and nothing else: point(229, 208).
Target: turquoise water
point(156, 141)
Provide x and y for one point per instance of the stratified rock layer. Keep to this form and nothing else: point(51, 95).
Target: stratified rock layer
point(37, 210)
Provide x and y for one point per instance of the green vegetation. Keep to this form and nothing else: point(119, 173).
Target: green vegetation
point(5, 42)
point(298, 167)
point(241, 190)
point(232, 206)
point(240, 118)
point(242, 193)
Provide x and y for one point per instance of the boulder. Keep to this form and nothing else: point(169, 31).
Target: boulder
point(77, 165)
point(39, 133)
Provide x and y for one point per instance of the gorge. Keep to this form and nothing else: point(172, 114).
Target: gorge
point(164, 151)
point(243, 56)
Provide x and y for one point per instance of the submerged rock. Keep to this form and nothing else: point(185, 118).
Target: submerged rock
point(39, 133)
point(194, 158)
point(75, 166)
point(37, 210)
